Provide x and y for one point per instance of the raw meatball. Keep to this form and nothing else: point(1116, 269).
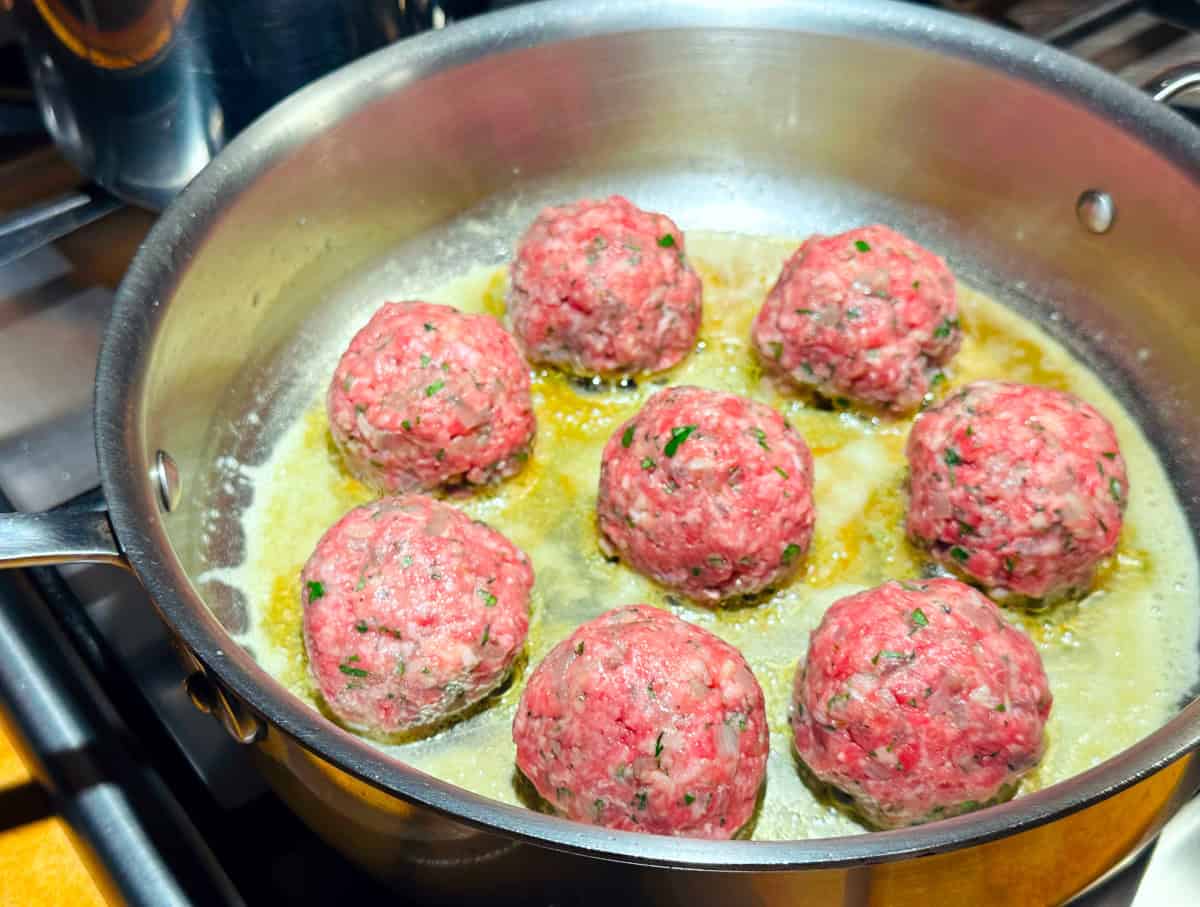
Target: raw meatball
point(919, 701)
point(603, 288)
point(866, 314)
point(708, 493)
point(427, 395)
point(1019, 488)
point(641, 721)
point(412, 612)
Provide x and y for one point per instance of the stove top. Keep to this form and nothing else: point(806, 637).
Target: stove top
point(194, 823)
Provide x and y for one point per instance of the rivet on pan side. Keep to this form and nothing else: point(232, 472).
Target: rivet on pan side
point(1096, 210)
point(170, 486)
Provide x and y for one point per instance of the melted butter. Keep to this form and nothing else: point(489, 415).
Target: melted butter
point(1119, 661)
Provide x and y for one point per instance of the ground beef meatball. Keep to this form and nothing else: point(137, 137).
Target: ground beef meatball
point(427, 395)
point(644, 722)
point(412, 612)
point(919, 701)
point(866, 314)
point(1019, 488)
point(708, 493)
point(604, 288)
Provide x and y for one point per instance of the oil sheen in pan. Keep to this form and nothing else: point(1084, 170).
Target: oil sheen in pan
point(1119, 661)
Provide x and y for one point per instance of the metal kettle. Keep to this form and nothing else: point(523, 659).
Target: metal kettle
point(141, 94)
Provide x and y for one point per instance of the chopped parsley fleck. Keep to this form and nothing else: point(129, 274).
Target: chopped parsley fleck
point(1110, 454)
point(806, 311)
point(892, 655)
point(696, 571)
point(425, 360)
point(862, 245)
point(1009, 564)
point(488, 599)
point(943, 330)
point(965, 528)
point(361, 626)
point(951, 456)
point(916, 284)
point(598, 806)
point(919, 619)
point(627, 437)
point(761, 437)
point(434, 388)
point(650, 691)
point(400, 667)
point(776, 349)
point(959, 553)
point(783, 472)
point(852, 313)
point(648, 464)
point(429, 327)
point(440, 455)
point(938, 378)
point(351, 671)
point(406, 561)
point(487, 633)
point(406, 425)
point(658, 747)
point(316, 589)
point(790, 551)
point(579, 647)
point(361, 584)
point(640, 799)
point(679, 434)
point(688, 799)
point(1002, 708)
point(1114, 488)
point(836, 699)
point(666, 241)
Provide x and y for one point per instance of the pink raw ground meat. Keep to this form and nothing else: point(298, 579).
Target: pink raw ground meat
point(867, 314)
point(642, 721)
point(708, 493)
point(919, 701)
point(1019, 488)
point(604, 288)
point(412, 612)
point(427, 395)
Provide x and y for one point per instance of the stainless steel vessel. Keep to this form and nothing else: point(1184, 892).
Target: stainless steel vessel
point(1067, 194)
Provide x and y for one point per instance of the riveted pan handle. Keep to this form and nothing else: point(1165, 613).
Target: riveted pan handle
point(80, 533)
point(64, 536)
point(1177, 80)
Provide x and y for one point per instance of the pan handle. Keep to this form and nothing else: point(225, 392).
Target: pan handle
point(1167, 86)
point(27, 230)
point(80, 533)
point(62, 536)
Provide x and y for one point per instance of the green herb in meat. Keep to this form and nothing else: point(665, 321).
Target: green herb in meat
point(679, 434)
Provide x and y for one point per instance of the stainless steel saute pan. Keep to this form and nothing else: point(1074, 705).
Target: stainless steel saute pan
point(763, 117)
